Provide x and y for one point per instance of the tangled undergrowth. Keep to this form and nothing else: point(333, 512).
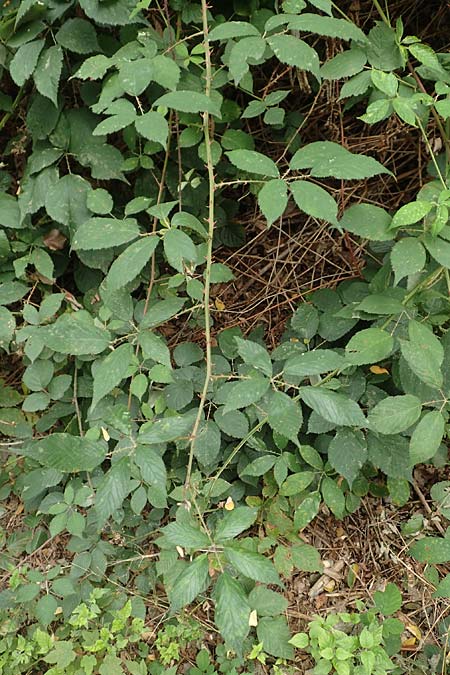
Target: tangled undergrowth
point(224, 314)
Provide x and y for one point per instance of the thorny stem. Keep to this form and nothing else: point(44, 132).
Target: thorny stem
point(207, 272)
point(381, 12)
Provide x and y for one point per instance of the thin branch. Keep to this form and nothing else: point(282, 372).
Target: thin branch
point(208, 135)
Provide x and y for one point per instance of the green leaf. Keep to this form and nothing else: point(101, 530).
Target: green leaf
point(187, 536)
point(406, 109)
point(154, 474)
point(440, 494)
point(333, 497)
point(114, 487)
point(233, 423)
point(131, 262)
point(251, 161)
point(389, 601)
point(111, 371)
point(285, 415)
point(347, 453)
point(62, 654)
point(314, 200)
point(78, 35)
point(385, 82)
point(12, 291)
point(411, 213)
point(66, 201)
point(153, 126)
point(194, 579)
point(407, 257)
point(135, 76)
point(426, 437)
point(165, 71)
point(246, 392)
point(179, 249)
point(383, 51)
point(207, 442)
point(99, 233)
point(234, 523)
point(333, 407)
point(438, 249)
point(443, 588)
point(356, 86)
point(232, 29)
point(294, 52)
point(220, 273)
point(273, 199)
point(7, 326)
point(395, 414)
point(329, 26)
point(254, 355)
point(259, 466)
point(367, 221)
point(75, 334)
point(327, 159)
point(369, 346)
point(232, 612)
point(66, 453)
point(162, 311)
point(47, 73)
point(189, 102)
point(168, 429)
point(381, 303)
point(296, 483)
point(267, 602)
point(424, 354)
point(99, 201)
point(153, 347)
point(242, 52)
point(426, 55)
point(122, 114)
point(431, 550)
point(313, 363)
point(306, 558)
point(390, 454)
point(45, 609)
point(24, 61)
point(108, 14)
point(9, 211)
point(344, 64)
point(377, 111)
point(93, 68)
point(307, 511)
point(305, 321)
point(252, 565)
point(274, 634)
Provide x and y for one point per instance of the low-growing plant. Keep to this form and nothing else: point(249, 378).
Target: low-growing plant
point(351, 644)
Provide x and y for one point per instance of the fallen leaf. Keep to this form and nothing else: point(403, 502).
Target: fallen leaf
point(55, 240)
point(378, 370)
point(253, 618)
point(229, 504)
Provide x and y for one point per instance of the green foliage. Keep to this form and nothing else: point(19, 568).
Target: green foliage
point(351, 644)
point(137, 144)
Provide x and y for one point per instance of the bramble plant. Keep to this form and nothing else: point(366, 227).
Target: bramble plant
point(130, 139)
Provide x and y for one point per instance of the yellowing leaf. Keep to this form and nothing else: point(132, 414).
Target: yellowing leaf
point(105, 434)
point(229, 504)
point(378, 370)
point(180, 551)
point(414, 630)
point(220, 306)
